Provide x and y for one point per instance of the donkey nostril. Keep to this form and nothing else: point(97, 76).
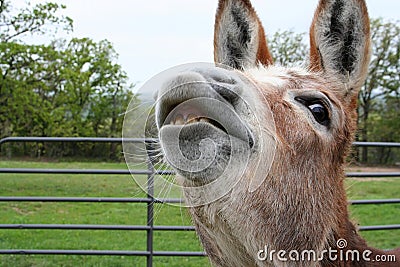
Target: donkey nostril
point(228, 86)
point(227, 93)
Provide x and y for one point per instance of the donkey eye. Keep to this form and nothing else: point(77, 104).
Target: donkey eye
point(320, 113)
point(318, 110)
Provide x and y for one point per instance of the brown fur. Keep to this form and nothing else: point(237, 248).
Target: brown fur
point(301, 206)
point(302, 203)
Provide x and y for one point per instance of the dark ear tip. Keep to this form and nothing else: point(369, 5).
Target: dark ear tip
point(340, 40)
point(239, 38)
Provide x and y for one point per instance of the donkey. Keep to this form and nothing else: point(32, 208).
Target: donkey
point(260, 149)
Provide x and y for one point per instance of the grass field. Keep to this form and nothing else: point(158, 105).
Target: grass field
point(131, 214)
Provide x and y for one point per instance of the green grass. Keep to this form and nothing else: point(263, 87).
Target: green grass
point(130, 214)
point(86, 213)
point(376, 214)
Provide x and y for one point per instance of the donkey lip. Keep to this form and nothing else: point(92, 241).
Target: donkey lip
point(187, 114)
point(214, 113)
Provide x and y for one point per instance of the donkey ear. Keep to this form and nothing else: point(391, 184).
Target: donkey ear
point(239, 38)
point(340, 42)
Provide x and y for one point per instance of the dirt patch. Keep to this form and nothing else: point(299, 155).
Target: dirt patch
point(371, 179)
point(22, 211)
point(372, 169)
point(376, 169)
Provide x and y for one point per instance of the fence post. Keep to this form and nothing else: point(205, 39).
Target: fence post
point(150, 213)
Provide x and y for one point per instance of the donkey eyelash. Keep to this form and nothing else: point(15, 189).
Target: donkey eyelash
point(318, 108)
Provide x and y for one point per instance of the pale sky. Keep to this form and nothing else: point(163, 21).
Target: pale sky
point(153, 35)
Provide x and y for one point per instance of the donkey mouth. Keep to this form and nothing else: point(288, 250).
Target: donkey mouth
point(200, 131)
point(189, 113)
point(209, 113)
point(200, 135)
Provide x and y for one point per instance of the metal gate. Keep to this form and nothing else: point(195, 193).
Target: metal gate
point(149, 201)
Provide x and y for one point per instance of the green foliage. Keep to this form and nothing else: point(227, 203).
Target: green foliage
point(38, 19)
point(379, 99)
point(289, 46)
point(65, 88)
point(76, 88)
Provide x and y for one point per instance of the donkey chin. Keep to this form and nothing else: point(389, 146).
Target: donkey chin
point(260, 149)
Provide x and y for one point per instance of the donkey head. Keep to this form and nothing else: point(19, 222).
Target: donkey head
point(260, 148)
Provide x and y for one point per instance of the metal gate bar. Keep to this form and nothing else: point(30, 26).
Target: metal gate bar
point(149, 201)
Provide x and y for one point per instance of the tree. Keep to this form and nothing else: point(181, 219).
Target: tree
point(38, 19)
point(85, 87)
point(20, 63)
point(383, 79)
point(385, 126)
point(65, 88)
point(289, 46)
point(93, 91)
